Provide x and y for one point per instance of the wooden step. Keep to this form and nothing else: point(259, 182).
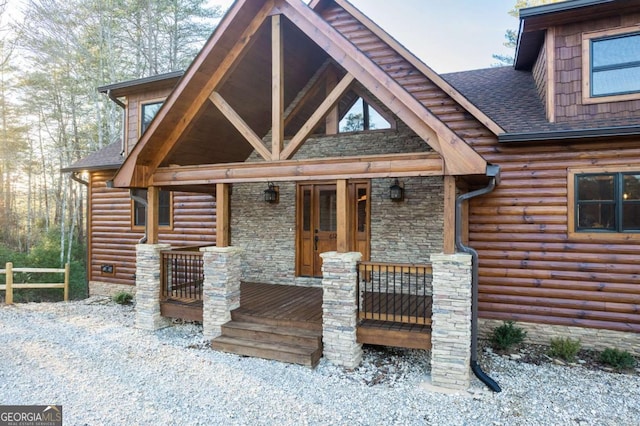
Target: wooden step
point(272, 334)
point(394, 334)
point(295, 354)
point(243, 316)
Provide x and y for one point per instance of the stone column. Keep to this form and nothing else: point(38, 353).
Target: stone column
point(148, 260)
point(451, 321)
point(340, 308)
point(221, 287)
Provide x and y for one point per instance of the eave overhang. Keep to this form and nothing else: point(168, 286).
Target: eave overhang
point(571, 135)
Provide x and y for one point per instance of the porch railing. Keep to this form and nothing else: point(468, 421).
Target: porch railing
point(399, 292)
point(182, 274)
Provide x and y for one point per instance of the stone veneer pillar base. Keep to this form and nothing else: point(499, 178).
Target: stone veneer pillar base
point(340, 309)
point(148, 287)
point(221, 287)
point(451, 321)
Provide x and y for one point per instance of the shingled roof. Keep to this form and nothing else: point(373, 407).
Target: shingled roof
point(107, 158)
point(510, 98)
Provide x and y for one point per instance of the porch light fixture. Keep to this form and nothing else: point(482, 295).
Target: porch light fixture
point(271, 194)
point(396, 192)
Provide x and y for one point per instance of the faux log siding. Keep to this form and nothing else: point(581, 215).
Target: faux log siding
point(113, 242)
point(530, 270)
point(405, 74)
point(568, 51)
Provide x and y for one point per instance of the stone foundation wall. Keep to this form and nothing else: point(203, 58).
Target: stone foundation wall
point(97, 288)
point(451, 321)
point(590, 338)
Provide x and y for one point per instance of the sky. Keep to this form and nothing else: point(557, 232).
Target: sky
point(447, 35)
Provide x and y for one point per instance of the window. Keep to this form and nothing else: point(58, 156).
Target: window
point(611, 67)
point(607, 202)
point(164, 210)
point(362, 116)
point(148, 111)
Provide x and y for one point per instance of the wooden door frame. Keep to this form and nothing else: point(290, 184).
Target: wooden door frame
point(352, 186)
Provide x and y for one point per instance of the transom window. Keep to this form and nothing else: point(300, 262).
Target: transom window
point(607, 202)
point(149, 110)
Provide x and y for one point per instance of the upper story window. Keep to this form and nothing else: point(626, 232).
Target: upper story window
point(363, 116)
point(611, 65)
point(607, 202)
point(148, 111)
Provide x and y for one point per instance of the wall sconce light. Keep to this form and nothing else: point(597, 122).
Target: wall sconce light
point(396, 192)
point(272, 194)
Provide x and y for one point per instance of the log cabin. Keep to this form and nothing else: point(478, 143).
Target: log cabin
point(316, 141)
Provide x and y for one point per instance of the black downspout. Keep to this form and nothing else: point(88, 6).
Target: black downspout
point(494, 173)
point(76, 178)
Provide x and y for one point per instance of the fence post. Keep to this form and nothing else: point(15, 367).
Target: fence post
point(9, 291)
point(66, 282)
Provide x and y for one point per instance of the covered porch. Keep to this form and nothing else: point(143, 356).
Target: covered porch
point(285, 322)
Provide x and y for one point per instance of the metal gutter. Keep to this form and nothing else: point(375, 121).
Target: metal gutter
point(559, 135)
point(131, 83)
point(559, 7)
point(494, 173)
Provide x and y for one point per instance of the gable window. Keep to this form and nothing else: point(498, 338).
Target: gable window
point(607, 202)
point(164, 210)
point(611, 66)
point(148, 111)
point(361, 117)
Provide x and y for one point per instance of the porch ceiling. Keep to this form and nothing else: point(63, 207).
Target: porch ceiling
point(211, 138)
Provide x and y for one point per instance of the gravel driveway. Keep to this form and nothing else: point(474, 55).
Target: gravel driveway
point(87, 357)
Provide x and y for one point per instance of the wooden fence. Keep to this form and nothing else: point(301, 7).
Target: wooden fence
point(10, 285)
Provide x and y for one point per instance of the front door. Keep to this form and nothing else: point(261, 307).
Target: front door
point(317, 224)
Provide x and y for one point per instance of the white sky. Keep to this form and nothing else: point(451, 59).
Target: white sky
point(447, 35)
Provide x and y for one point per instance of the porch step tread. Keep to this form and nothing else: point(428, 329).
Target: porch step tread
point(296, 354)
point(272, 334)
point(241, 315)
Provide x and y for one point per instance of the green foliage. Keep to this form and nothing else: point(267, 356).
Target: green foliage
point(507, 335)
point(46, 254)
point(564, 348)
point(123, 298)
point(619, 360)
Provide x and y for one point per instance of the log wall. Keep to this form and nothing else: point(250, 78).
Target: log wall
point(112, 241)
point(530, 268)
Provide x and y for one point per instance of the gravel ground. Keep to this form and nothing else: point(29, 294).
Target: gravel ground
point(88, 357)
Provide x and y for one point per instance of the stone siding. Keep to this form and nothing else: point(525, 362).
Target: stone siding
point(221, 287)
point(148, 287)
point(590, 338)
point(451, 321)
point(339, 309)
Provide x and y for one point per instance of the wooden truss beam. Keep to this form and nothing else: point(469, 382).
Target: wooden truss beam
point(460, 158)
point(325, 108)
point(277, 88)
point(374, 166)
point(240, 125)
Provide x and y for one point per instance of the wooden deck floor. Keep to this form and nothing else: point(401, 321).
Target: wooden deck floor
point(281, 304)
